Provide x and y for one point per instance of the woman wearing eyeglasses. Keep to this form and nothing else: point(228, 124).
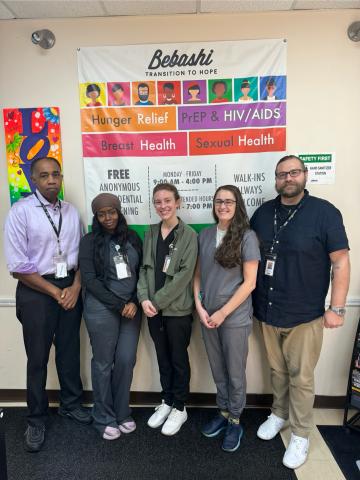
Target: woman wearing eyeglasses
point(110, 258)
point(166, 295)
point(225, 276)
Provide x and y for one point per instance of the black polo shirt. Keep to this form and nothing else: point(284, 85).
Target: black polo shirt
point(296, 292)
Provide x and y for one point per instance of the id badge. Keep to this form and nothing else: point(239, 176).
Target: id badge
point(166, 263)
point(60, 266)
point(122, 268)
point(270, 260)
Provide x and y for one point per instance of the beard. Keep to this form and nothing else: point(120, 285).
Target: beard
point(144, 97)
point(294, 191)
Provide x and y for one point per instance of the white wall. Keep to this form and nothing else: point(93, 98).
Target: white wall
point(323, 114)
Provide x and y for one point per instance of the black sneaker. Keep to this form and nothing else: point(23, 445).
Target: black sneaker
point(232, 438)
point(79, 415)
point(34, 438)
point(215, 426)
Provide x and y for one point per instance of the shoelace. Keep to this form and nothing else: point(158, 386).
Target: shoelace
point(298, 444)
point(37, 431)
point(233, 422)
point(78, 411)
point(175, 413)
point(159, 406)
point(274, 420)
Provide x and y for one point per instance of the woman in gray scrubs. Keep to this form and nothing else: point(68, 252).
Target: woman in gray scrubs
point(224, 279)
point(110, 258)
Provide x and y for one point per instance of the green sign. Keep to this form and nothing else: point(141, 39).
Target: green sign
point(316, 157)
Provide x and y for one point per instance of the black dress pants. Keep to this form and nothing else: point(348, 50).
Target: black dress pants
point(171, 336)
point(45, 322)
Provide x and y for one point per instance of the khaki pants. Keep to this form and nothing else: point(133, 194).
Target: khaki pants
point(293, 354)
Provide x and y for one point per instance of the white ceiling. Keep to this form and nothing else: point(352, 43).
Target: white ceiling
point(13, 9)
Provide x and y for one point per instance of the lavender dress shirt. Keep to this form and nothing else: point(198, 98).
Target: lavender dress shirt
point(30, 241)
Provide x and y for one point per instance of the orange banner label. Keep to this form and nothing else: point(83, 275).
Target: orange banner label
point(134, 119)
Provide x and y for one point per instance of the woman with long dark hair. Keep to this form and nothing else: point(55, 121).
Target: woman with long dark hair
point(225, 276)
point(110, 258)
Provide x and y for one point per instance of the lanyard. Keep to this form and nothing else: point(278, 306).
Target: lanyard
point(278, 230)
point(172, 244)
point(57, 230)
point(121, 251)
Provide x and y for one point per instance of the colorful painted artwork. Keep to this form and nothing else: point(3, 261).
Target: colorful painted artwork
point(30, 133)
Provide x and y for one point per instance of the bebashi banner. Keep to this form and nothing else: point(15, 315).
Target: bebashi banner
point(197, 115)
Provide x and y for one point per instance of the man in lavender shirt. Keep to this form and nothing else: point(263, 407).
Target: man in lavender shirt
point(42, 236)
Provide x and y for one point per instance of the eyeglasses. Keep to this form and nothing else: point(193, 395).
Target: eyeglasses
point(293, 173)
point(227, 202)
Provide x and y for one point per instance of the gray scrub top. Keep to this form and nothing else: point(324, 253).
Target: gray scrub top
point(218, 284)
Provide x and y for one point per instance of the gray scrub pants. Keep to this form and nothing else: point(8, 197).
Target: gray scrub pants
point(114, 341)
point(227, 350)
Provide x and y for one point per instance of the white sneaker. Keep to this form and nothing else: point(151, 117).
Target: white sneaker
point(297, 452)
point(161, 413)
point(174, 421)
point(271, 427)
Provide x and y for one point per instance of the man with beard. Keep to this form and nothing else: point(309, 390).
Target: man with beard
point(143, 94)
point(302, 238)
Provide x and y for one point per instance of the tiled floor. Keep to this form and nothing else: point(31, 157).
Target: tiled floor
point(320, 464)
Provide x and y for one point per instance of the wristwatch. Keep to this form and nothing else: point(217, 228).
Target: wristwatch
point(340, 311)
